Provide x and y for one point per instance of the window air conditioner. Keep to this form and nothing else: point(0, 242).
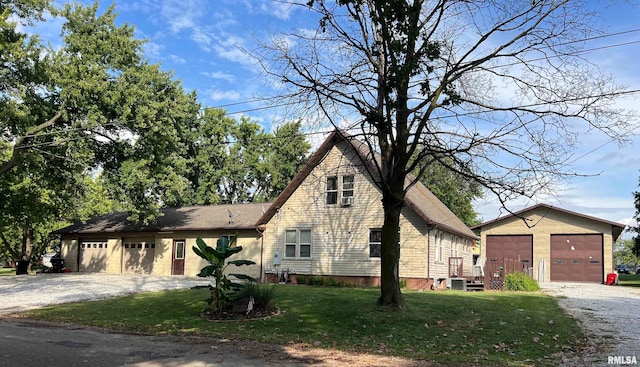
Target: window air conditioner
point(346, 201)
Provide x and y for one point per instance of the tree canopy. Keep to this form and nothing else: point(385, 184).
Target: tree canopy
point(93, 115)
point(486, 89)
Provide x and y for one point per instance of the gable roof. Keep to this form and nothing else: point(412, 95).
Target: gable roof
point(616, 228)
point(418, 197)
point(190, 218)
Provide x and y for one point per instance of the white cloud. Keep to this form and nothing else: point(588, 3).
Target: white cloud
point(152, 50)
point(202, 38)
point(231, 48)
point(182, 15)
point(177, 59)
point(219, 75)
point(217, 95)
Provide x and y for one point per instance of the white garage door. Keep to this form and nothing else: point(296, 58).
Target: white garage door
point(93, 256)
point(138, 255)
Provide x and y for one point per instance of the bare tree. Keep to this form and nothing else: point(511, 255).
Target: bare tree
point(494, 90)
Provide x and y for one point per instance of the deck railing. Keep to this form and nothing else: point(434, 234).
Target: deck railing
point(497, 268)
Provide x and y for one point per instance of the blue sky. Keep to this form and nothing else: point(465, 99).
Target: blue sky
point(202, 42)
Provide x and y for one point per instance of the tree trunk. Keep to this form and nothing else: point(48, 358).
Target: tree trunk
point(390, 294)
point(27, 243)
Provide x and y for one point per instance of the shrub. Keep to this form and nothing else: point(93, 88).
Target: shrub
point(262, 294)
point(520, 281)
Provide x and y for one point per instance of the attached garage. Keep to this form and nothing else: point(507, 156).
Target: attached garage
point(559, 244)
point(138, 255)
point(577, 257)
point(93, 256)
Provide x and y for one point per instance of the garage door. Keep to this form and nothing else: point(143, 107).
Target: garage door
point(138, 255)
point(93, 256)
point(516, 247)
point(577, 258)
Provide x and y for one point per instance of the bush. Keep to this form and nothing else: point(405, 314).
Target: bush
point(262, 294)
point(520, 281)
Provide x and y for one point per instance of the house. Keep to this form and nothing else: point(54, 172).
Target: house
point(112, 244)
point(560, 245)
point(327, 222)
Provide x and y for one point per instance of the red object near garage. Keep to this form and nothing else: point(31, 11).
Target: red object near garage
point(611, 279)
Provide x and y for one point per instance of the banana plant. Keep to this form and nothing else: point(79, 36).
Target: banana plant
point(224, 289)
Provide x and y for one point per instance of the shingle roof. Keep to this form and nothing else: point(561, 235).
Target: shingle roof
point(190, 218)
point(419, 198)
point(616, 228)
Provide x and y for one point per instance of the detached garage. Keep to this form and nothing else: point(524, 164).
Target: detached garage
point(559, 244)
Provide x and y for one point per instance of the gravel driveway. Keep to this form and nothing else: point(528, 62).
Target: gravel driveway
point(610, 316)
point(24, 292)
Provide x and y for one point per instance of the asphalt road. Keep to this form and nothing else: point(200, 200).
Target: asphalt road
point(28, 343)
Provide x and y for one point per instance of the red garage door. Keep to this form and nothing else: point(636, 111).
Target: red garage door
point(577, 257)
point(517, 247)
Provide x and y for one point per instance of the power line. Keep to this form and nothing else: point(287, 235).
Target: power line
point(575, 53)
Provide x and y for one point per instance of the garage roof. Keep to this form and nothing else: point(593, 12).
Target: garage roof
point(189, 218)
point(616, 228)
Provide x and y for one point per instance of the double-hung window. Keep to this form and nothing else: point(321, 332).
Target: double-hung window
point(332, 190)
point(347, 190)
point(375, 242)
point(297, 243)
point(340, 189)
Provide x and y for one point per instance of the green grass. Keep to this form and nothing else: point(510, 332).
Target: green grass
point(7, 271)
point(450, 328)
point(629, 280)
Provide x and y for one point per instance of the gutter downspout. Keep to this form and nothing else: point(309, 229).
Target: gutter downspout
point(429, 229)
point(261, 229)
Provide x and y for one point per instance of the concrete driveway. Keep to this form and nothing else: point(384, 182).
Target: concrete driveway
point(24, 292)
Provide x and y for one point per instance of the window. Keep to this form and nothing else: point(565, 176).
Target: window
point(439, 247)
point(297, 243)
point(332, 190)
point(375, 242)
point(347, 190)
point(179, 250)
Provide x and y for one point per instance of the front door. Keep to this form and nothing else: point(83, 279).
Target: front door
point(177, 267)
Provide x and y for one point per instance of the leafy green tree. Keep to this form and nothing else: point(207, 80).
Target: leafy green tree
point(94, 103)
point(454, 190)
point(623, 253)
point(287, 152)
point(418, 80)
point(35, 208)
point(237, 161)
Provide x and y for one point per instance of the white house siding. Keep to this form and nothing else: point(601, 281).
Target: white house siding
point(340, 234)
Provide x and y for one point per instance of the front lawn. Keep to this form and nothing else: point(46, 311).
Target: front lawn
point(450, 328)
point(7, 271)
point(629, 280)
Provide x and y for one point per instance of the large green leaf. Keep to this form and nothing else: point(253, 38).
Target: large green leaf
point(207, 271)
point(241, 262)
point(244, 277)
